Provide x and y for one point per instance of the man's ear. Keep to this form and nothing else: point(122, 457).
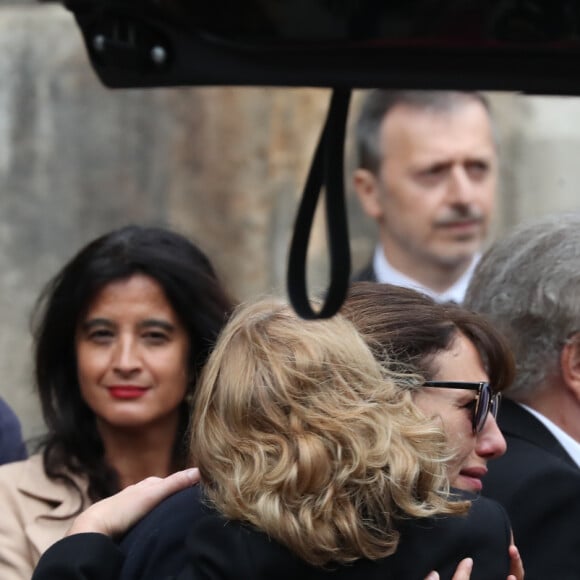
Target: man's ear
point(570, 364)
point(369, 193)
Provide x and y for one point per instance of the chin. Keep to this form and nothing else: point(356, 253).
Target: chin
point(457, 259)
point(470, 484)
point(126, 421)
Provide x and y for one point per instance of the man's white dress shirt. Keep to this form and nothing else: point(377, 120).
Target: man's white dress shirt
point(571, 446)
point(386, 274)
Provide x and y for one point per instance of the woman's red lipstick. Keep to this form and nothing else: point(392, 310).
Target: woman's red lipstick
point(127, 391)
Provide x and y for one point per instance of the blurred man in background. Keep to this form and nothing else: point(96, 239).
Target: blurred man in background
point(427, 174)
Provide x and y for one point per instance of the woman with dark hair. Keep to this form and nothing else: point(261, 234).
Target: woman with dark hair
point(121, 335)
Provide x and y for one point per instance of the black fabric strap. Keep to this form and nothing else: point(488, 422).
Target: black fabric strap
point(326, 171)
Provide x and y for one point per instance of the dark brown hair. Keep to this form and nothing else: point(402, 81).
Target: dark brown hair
point(410, 328)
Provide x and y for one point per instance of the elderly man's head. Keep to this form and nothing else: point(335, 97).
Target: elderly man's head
point(528, 284)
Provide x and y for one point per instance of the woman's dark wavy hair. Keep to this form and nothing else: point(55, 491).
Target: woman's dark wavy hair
point(410, 328)
point(198, 298)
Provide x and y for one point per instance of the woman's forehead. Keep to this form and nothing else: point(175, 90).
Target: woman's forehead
point(460, 362)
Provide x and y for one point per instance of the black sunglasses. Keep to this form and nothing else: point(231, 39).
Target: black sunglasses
point(486, 402)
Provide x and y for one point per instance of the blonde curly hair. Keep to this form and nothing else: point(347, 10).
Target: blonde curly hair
point(300, 432)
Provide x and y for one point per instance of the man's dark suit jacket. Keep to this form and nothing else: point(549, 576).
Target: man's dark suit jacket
point(215, 548)
point(367, 274)
point(539, 485)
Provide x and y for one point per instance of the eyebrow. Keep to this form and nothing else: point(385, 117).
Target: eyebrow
point(425, 163)
point(88, 325)
point(157, 323)
point(428, 166)
point(94, 322)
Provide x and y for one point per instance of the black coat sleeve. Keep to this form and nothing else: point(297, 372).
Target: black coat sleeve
point(155, 548)
point(80, 557)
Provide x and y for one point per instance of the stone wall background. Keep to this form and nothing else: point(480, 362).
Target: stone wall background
point(224, 166)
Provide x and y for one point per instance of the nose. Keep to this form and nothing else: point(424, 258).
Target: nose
point(490, 441)
point(460, 189)
point(125, 357)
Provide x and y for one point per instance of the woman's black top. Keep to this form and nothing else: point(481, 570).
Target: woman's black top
point(185, 539)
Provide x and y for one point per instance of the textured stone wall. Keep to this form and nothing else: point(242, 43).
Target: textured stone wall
point(225, 166)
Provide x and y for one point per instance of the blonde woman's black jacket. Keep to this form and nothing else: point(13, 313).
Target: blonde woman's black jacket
point(183, 539)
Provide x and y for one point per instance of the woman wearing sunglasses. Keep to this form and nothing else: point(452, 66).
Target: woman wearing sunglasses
point(466, 364)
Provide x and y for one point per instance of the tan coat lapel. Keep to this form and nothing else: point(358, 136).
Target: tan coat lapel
point(53, 504)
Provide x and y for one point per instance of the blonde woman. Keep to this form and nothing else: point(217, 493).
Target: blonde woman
point(314, 463)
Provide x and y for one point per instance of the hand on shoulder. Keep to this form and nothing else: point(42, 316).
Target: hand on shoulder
point(116, 514)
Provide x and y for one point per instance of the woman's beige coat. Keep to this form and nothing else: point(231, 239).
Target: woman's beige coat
point(35, 512)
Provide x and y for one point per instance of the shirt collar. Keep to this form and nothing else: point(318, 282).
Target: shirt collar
point(386, 274)
point(570, 444)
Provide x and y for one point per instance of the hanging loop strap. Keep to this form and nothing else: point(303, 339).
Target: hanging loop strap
point(326, 171)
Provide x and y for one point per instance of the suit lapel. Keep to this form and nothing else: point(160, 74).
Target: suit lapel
point(514, 420)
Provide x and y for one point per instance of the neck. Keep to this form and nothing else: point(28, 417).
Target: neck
point(437, 276)
point(137, 453)
point(559, 405)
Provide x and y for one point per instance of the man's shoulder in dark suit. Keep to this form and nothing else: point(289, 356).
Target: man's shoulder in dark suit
point(367, 274)
point(539, 485)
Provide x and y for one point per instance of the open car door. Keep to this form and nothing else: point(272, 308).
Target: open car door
point(531, 46)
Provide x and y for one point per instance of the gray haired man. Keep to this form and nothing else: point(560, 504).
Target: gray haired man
point(528, 284)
